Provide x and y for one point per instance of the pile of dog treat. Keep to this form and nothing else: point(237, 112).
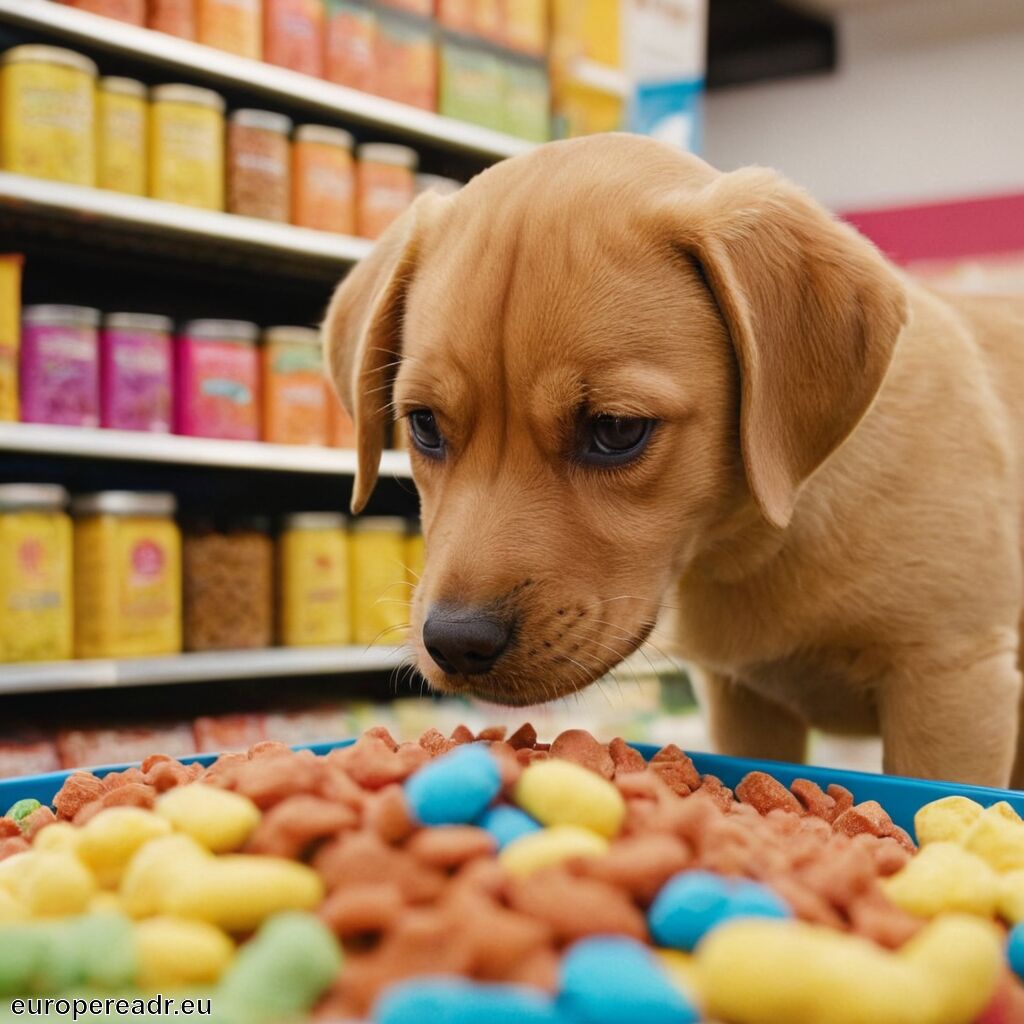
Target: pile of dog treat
point(498, 879)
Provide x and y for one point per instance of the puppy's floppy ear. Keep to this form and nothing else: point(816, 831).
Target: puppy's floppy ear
point(813, 311)
point(362, 339)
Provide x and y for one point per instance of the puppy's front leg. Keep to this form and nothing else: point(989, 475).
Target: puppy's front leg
point(744, 724)
point(955, 720)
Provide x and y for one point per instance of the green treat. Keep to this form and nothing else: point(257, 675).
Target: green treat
point(22, 809)
point(282, 971)
point(23, 948)
point(106, 945)
point(61, 966)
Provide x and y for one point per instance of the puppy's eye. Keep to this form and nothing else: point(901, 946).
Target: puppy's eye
point(425, 432)
point(610, 440)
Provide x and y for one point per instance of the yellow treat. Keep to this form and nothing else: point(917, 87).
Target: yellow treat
point(944, 877)
point(109, 840)
point(106, 902)
point(945, 820)
point(562, 793)
point(765, 972)
point(11, 869)
point(61, 835)
point(11, 909)
point(549, 847)
point(216, 818)
point(1011, 896)
point(997, 836)
point(237, 892)
point(154, 868)
point(174, 951)
point(682, 969)
point(54, 884)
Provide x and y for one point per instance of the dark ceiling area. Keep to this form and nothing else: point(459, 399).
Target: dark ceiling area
point(759, 40)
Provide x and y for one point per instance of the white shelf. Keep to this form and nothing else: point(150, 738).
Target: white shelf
point(39, 677)
point(151, 217)
point(196, 61)
point(137, 446)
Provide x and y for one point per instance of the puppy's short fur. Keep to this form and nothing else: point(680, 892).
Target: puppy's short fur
point(830, 503)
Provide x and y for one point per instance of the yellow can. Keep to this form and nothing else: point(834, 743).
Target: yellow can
point(47, 112)
point(313, 564)
point(35, 573)
point(186, 146)
point(380, 610)
point(127, 575)
point(10, 333)
point(121, 135)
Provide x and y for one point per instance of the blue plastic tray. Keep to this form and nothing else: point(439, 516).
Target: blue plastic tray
point(899, 796)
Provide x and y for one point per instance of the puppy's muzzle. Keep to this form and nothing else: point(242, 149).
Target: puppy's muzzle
point(463, 640)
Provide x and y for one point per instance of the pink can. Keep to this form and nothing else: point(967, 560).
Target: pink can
point(59, 365)
point(136, 372)
point(217, 380)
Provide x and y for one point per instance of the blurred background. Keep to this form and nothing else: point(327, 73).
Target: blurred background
point(182, 182)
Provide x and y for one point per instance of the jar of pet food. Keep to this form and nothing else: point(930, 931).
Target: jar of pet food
point(175, 17)
point(35, 573)
point(217, 382)
point(385, 186)
point(131, 11)
point(259, 164)
point(378, 583)
point(121, 115)
point(228, 586)
point(127, 575)
point(341, 431)
point(294, 402)
point(232, 25)
point(527, 110)
point(186, 146)
point(349, 44)
point(59, 365)
point(406, 61)
point(10, 333)
point(323, 179)
point(136, 372)
point(293, 35)
point(313, 559)
point(489, 21)
point(47, 110)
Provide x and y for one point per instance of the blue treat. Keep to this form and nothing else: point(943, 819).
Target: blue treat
point(444, 1000)
point(1015, 950)
point(455, 788)
point(506, 823)
point(610, 980)
point(692, 903)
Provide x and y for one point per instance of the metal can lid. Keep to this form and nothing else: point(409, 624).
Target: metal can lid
point(387, 153)
point(193, 94)
point(378, 524)
point(42, 497)
point(122, 86)
point(291, 336)
point(61, 316)
point(222, 330)
point(138, 322)
point(125, 503)
point(436, 183)
point(266, 120)
point(315, 521)
point(325, 135)
point(34, 53)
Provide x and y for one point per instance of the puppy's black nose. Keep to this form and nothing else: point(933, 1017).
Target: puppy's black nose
point(464, 641)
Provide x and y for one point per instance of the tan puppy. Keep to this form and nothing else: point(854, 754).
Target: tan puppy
point(631, 382)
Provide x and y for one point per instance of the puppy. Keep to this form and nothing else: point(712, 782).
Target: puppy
point(633, 383)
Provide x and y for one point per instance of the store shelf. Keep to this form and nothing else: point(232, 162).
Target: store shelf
point(202, 62)
point(201, 230)
point(133, 446)
point(39, 677)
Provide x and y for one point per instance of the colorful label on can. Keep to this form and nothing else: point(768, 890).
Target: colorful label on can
point(136, 381)
point(60, 375)
point(218, 389)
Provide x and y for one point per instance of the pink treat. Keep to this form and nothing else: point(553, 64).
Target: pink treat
point(59, 369)
point(136, 372)
point(217, 380)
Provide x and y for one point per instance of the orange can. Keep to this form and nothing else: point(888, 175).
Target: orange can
point(293, 35)
point(348, 50)
point(132, 11)
point(323, 179)
point(175, 17)
point(231, 25)
point(385, 186)
point(294, 401)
